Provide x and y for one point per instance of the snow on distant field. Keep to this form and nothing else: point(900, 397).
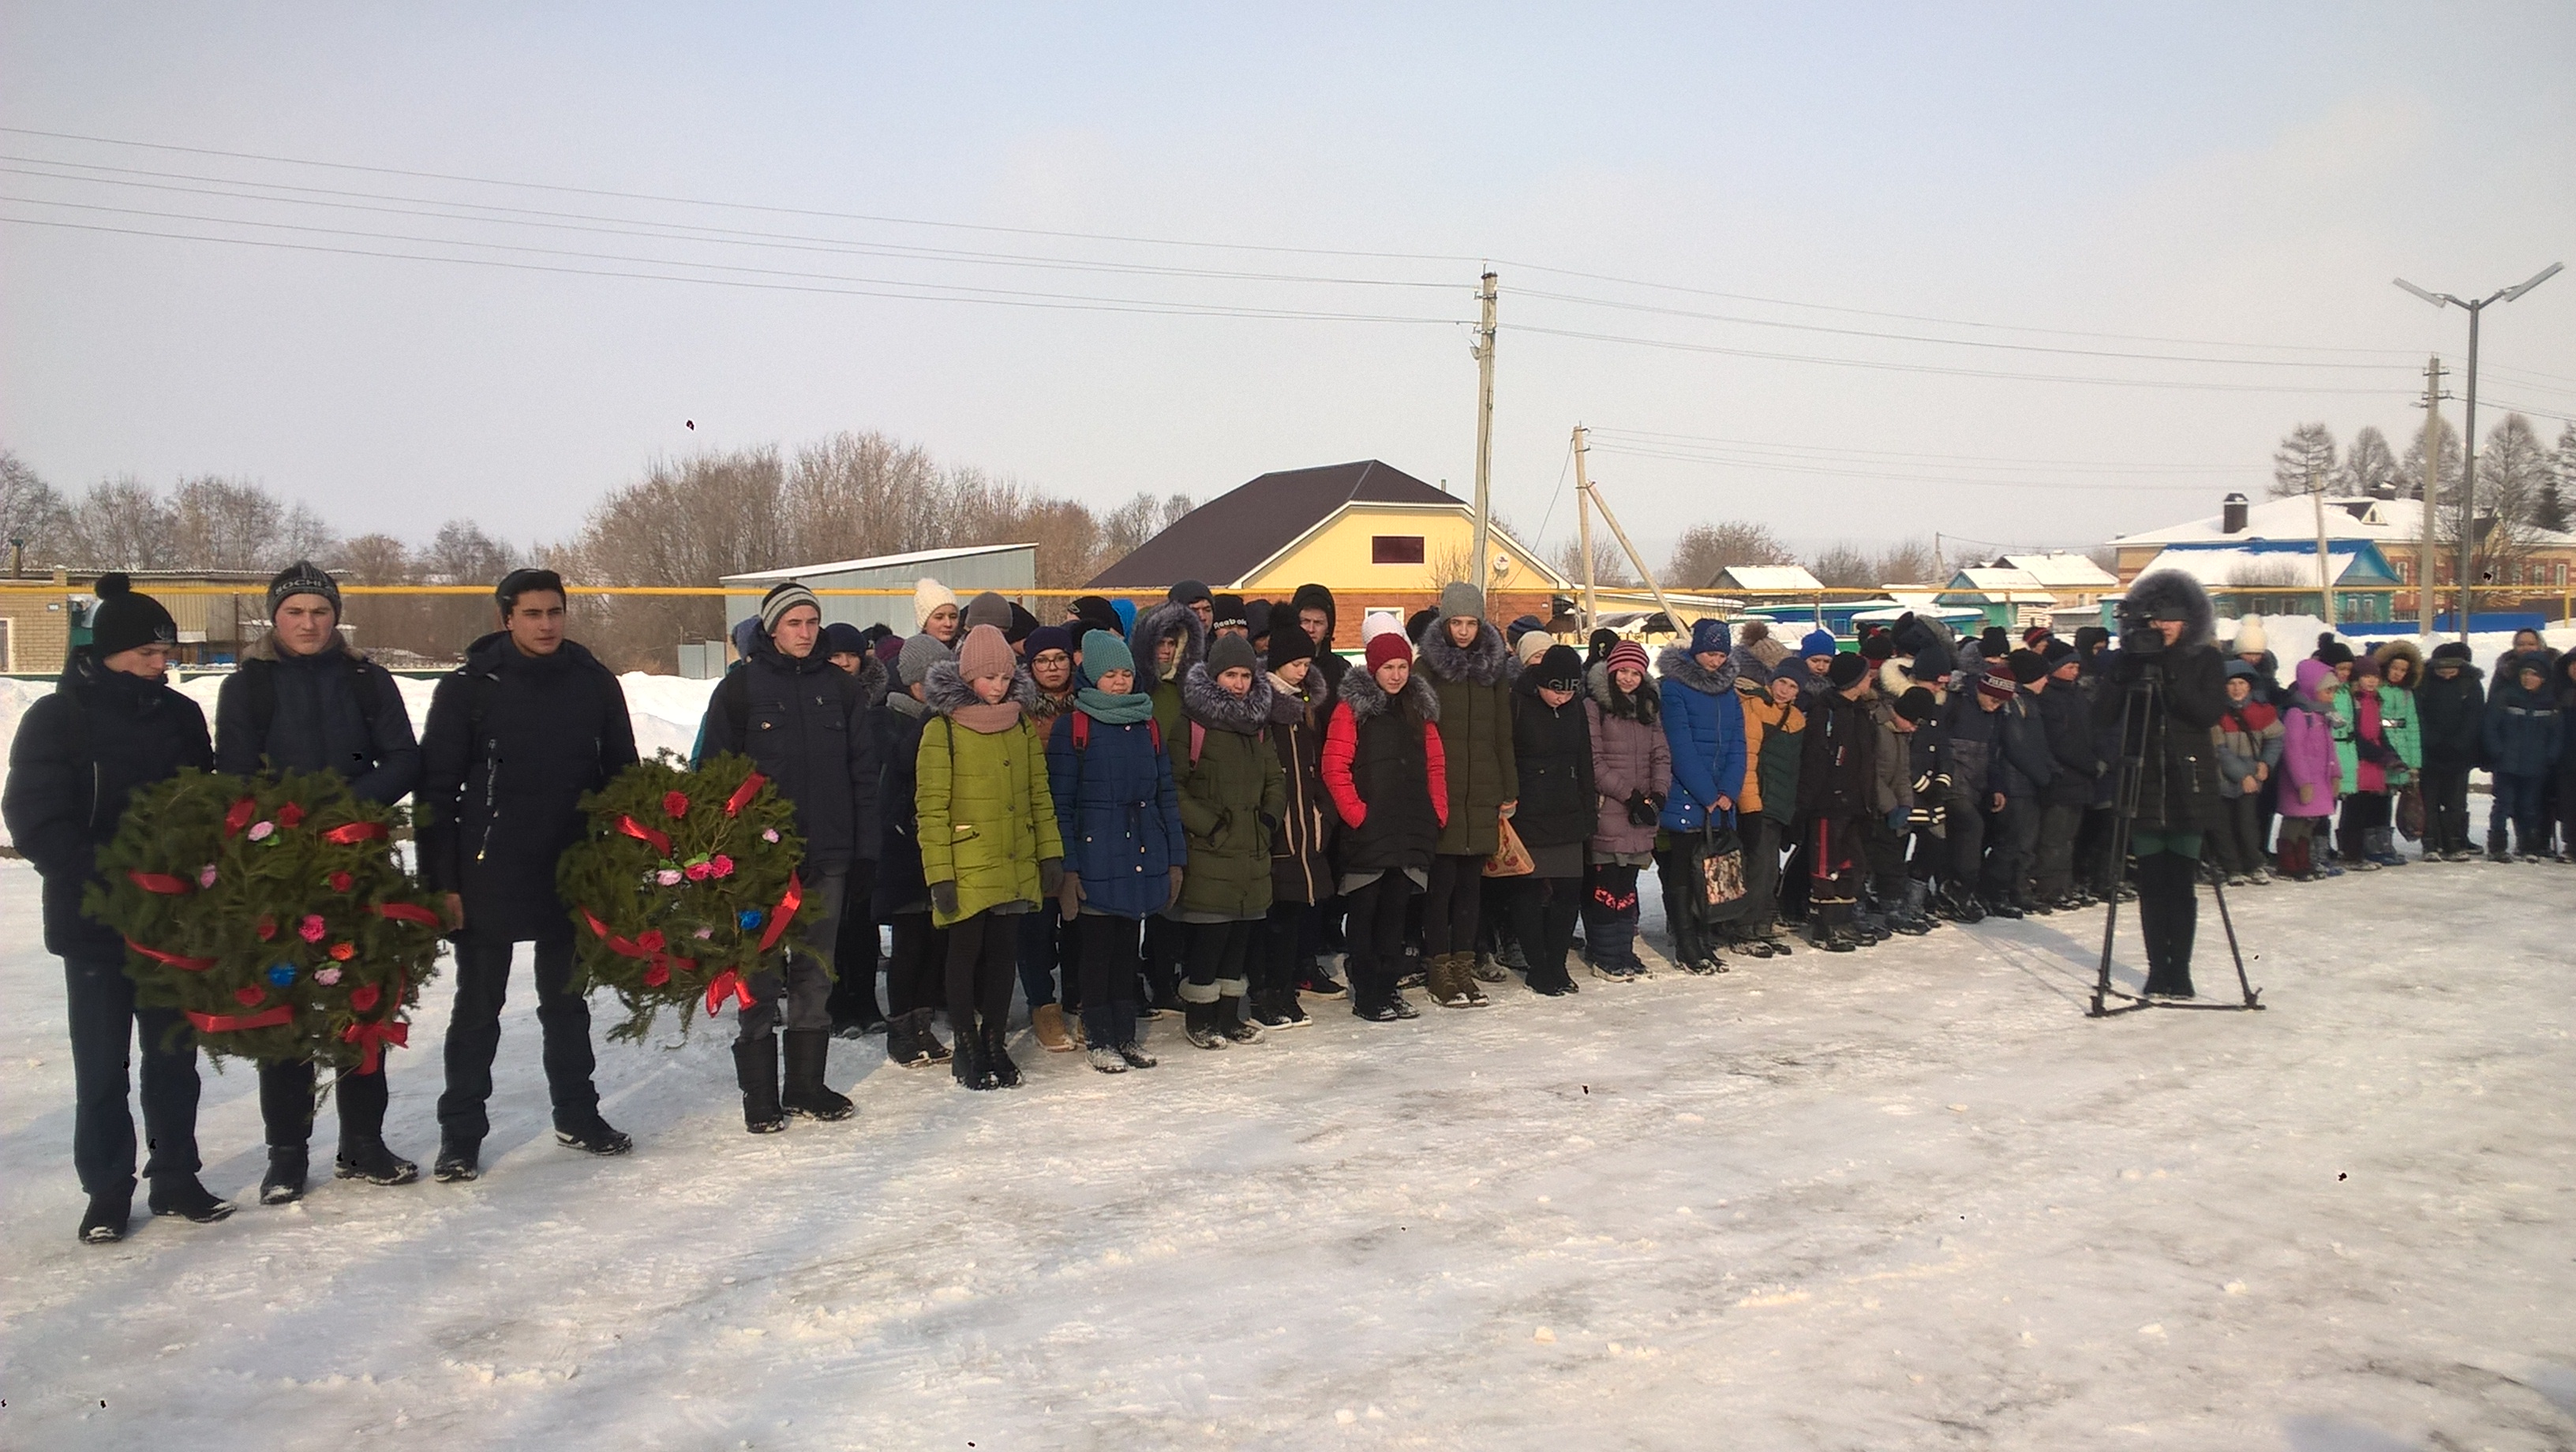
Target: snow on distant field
point(1907, 1197)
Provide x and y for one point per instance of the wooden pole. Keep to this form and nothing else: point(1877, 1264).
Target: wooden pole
point(1643, 573)
point(2429, 493)
point(1583, 521)
point(1486, 295)
point(2325, 562)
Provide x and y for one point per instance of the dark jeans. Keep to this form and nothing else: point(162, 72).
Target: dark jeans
point(854, 966)
point(2016, 831)
point(1217, 955)
point(801, 974)
point(1377, 936)
point(2053, 866)
point(1277, 949)
point(104, 1021)
point(1964, 826)
point(1107, 965)
point(1544, 910)
point(2363, 814)
point(2234, 847)
point(2446, 810)
point(474, 1034)
point(917, 966)
point(286, 1104)
point(1450, 904)
point(1036, 955)
point(980, 952)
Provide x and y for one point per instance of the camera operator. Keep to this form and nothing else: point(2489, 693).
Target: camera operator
point(2166, 688)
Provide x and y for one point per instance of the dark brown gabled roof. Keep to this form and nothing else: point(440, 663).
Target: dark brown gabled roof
point(1228, 537)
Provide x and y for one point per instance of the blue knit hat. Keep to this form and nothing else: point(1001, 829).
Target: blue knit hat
point(1104, 651)
point(1709, 636)
point(1818, 642)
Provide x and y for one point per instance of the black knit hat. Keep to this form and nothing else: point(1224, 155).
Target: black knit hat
point(1188, 592)
point(125, 620)
point(2058, 653)
point(1879, 645)
point(1598, 644)
point(2027, 665)
point(1418, 622)
point(2334, 652)
point(1917, 705)
point(1560, 669)
point(1846, 670)
point(302, 578)
point(1022, 626)
point(1994, 642)
point(1256, 619)
point(1288, 645)
point(1225, 610)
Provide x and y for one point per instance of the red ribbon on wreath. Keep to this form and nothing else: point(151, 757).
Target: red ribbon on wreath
point(224, 1023)
point(160, 882)
point(661, 842)
point(743, 794)
point(650, 949)
point(728, 984)
point(372, 1035)
point(403, 912)
point(793, 899)
point(240, 816)
point(355, 833)
point(175, 960)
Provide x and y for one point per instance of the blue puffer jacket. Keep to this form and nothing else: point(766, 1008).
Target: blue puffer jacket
point(1704, 722)
point(1118, 811)
point(2522, 731)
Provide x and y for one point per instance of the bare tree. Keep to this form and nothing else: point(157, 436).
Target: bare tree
point(1609, 562)
point(1706, 549)
point(2305, 460)
point(2368, 467)
point(1844, 567)
point(2552, 513)
point(2513, 471)
point(33, 518)
point(120, 524)
point(1907, 562)
point(372, 559)
point(2446, 479)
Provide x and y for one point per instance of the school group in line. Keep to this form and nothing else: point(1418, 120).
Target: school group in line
point(1203, 813)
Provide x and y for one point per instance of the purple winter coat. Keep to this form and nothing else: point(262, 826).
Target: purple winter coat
point(2308, 757)
point(1629, 754)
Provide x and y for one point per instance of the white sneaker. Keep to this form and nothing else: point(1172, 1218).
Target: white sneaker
point(1108, 1061)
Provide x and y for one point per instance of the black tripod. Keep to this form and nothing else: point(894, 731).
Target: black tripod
point(2145, 707)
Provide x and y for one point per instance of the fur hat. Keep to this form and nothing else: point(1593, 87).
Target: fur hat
point(1231, 652)
point(985, 653)
point(125, 620)
point(1385, 646)
point(1846, 671)
point(302, 578)
point(1628, 653)
point(784, 596)
point(1462, 598)
point(990, 609)
point(1818, 642)
point(912, 664)
point(1104, 651)
point(928, 595)
point(2250, 639)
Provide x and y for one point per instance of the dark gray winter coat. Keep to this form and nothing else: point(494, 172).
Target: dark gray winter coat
point(332, 711)
point(1475, 722)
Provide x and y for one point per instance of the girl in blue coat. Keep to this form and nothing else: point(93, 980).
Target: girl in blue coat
point(1120, 816)
point(1704, 725)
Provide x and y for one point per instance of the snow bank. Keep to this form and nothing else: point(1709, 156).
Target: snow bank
point(666, 709)
point(1902, 1198)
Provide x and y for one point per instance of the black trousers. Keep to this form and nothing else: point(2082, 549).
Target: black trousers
point(2168, 917)
point(1219, 953)
point(286, 1104)
point(1834, 861)
point(917, 966)
point(2016, 832)
point(1544, 910)
point(2446, 809)
point(474, 1034)
point(1107, 967)
point(104, 1022)
point(1167, 946)
point(1450, 905)
point(1377, 935)
point(981, 952)
point(1761, 838)
point(1276, 949)
point(2053, 863)
point(796, 983)
point(2233, 845)
point(2095, 869)
point(1884, 848)
point(2363, 814)
point(1964, 854)
point(855, 957)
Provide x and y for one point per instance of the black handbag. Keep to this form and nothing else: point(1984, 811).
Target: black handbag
point(1717, 868)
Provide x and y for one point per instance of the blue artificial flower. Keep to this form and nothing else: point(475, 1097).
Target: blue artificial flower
point(750, 919)
point(281, 975)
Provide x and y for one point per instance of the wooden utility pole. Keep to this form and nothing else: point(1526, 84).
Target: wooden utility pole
point(1486, 294)
point(1583, 523)
point(2429, 492)
point(2325, 561)
point(1593, 490)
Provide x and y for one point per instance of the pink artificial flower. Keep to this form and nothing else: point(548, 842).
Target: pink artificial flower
point(206, 875)
point(668, 877)
point(261, 831)
point(699, 871)
point(722, 864)
point(327, 977)
point(769, 834)
point(312, 928)
point(705, 933)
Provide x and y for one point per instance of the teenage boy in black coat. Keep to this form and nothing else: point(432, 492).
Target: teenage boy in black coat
point(516, 735)
point(1834, 780)
point(2451, 704)
point(305, 700)
point(111, 727)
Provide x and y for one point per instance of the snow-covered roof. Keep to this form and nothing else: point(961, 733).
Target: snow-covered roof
point(2062, 571)
point(2388, 521)
point(1767, 579)
point(1998, 584)
point(2274, 563)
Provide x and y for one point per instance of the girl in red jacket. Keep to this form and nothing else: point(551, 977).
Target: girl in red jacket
point(1390, 785)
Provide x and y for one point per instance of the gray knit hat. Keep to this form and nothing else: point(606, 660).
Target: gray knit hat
point(783, 597)
point(988, 609)
point(912, 665)
point(302, 578)
point(1462, 599)
point(1232, 652)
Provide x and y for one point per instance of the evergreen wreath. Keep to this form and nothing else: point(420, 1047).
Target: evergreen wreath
point(271, 911)
point(682, 882)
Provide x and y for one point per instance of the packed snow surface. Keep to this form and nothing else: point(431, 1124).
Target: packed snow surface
point(1906, 1197)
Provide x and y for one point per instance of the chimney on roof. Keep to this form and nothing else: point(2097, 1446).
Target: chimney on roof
point(2231, 514)
point(2384, 489)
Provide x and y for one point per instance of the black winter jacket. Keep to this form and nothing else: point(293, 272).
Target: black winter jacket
point(804, 724)
point(2453, 717)
point(900, 884)
point(513, 743)
point(80, 753)
point(2066, 719)
point(1840, 765)
point(335, 711)
point(1552, 746)
point(2022, 767)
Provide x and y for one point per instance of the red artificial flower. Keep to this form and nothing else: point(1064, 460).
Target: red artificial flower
point(675, 803)
point(698, 871)
point(249, 997)
point(342, 952)
point(340, 881)
point(363, 998)
point(312, 928)
point(267, 929)
point(290, 815)
point(722, 864)
point(657, 975)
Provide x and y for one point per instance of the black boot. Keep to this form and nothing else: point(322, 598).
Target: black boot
point(1199, 1025)
point(966, 1063)
point(366, 1158)
point(105, 1221)
point(585, 1131)
point(287, 1170)
point(183, 1196)
point(927, 1036)
point(807, 1052)
point(1232, 1022)
point(755, 1068)
point(459, 1159)
point(997, 1059)
point(1834, 928)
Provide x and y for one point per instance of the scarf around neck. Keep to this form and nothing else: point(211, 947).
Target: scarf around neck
point(1111, 710)
point(987, 718)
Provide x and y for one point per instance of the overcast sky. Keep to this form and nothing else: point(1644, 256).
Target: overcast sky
point(2245, 177)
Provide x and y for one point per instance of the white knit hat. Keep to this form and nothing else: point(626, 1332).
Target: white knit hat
point(2249, 636)
point(1379, 622)
point(928, 595)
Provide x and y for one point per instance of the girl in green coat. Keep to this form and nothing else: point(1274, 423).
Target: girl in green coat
point(1232, 795)
point(1468, 665)
point(989, 846)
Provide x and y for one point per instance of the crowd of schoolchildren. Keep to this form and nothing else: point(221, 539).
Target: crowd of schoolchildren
point(1209, 812)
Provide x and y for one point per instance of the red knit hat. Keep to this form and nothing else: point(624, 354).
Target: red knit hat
point(1386, 647)
point(1628, 653)
point(1998, 682)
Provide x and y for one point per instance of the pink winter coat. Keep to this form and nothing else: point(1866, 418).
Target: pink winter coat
point(2309, 765)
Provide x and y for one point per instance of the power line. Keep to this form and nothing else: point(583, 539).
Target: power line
point(1909, 456)
point(1779, 467)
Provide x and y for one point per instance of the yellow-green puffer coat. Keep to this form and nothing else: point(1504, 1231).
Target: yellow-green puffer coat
point(985, 816)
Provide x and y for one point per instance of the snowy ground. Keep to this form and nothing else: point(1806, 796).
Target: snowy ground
point(1909, 1197)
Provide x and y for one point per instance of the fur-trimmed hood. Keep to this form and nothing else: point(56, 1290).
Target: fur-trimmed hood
point(945, 689)
point(1210, 705)
point(1488, 662)
point(1146, 641)
point(1677, 665)
point(1645, 707)
point(265, 649)
point(874, 681)
point(2160, 591)
point(1368, 700)
point(2406, 651)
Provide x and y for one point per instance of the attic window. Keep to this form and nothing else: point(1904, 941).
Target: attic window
point(1395, 549)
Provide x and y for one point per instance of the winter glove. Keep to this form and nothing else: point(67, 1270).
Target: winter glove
point(1898, 818)
point(1641, 811)
point(943, 899)
point(1176, 888)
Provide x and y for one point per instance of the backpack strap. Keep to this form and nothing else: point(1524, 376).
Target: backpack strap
point(1198, 741)
point(1154, 732)
point(1081, 731)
